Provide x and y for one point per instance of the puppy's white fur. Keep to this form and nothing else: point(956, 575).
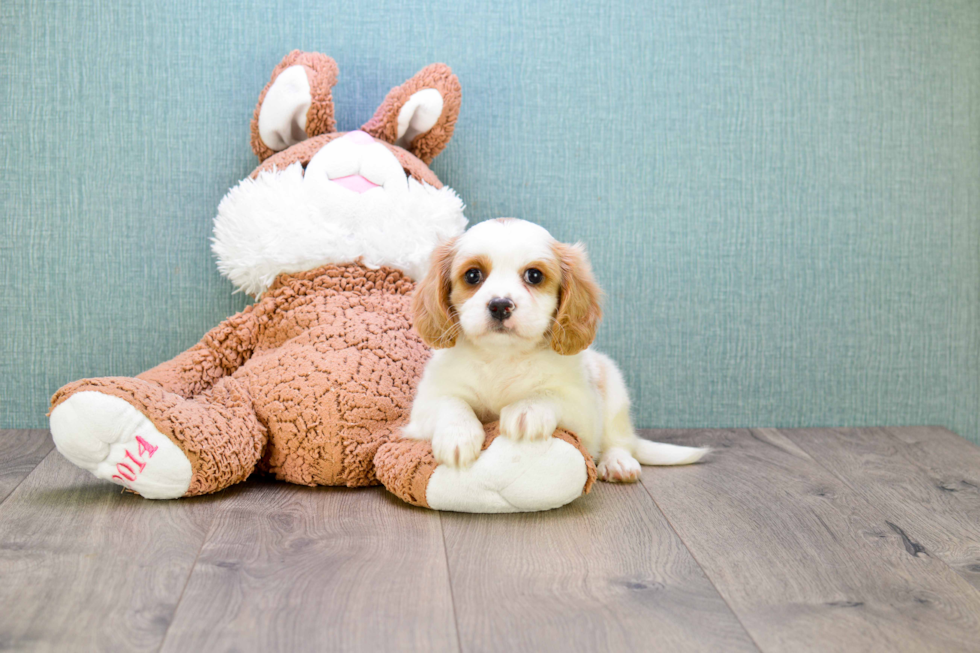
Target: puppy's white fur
point(533, 370)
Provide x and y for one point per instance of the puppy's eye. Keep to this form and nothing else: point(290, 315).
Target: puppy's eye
point(473, 276)
point(533, 276)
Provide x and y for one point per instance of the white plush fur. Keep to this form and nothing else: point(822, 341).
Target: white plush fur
point(507, 370)
point(418, 115)
point(101, 434)
point(282, 222)
point(511, 477)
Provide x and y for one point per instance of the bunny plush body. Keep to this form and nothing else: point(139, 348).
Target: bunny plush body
point(313, 382)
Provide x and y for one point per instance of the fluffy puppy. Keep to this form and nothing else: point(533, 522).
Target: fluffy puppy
point(512, 313)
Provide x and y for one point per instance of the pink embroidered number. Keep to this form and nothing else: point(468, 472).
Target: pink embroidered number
point(131, 476)
point(139, 463)
point(146, 447)
point(126, 472)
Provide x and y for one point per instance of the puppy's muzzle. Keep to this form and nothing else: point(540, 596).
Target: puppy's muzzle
point(500, 308)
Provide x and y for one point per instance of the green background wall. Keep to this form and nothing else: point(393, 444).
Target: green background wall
point(781, 198)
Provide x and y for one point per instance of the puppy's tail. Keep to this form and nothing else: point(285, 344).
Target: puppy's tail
point(660, 453)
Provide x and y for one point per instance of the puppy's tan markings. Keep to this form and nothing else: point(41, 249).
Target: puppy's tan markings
point(600, 380)
point(433, 314)
point(552, 276)
point(579, 307)
point(462, 291)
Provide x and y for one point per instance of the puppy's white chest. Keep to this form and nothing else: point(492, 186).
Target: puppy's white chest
point(498, 384)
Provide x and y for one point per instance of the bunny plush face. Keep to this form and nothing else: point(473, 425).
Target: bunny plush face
point(325, 197)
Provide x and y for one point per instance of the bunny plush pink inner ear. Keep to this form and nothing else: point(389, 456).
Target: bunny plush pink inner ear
point(420, 115)
point(296, 104)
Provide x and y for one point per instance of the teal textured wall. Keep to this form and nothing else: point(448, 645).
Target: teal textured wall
point(782, 199)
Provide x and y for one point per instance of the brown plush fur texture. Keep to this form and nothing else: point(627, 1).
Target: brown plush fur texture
point(384, 124)
point(313, 378)
point(322, 73)
point(405, 466)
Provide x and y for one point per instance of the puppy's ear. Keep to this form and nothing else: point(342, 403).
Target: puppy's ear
point(420, 115)
point(579, 297)
point(432, 314)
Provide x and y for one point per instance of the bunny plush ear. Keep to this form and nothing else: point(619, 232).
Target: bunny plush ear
point(420, 115)
point(296, 104)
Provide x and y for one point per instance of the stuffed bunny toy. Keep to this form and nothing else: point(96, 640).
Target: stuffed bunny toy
point(313, 381)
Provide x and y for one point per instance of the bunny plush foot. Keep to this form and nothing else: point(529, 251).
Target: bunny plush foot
point(108, 437)
point(511, 477)
point(508, 476)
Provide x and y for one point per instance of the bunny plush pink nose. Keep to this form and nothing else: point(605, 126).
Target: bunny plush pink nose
point(356, 183)
point(359, 137)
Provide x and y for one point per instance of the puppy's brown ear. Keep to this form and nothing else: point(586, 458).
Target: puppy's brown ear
point(579, 297)
point(432, 314)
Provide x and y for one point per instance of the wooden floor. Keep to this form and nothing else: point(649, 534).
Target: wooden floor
point(822, 540)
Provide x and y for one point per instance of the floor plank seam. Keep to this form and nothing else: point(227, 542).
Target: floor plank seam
point(908, 544)
point(703, 570)
point(187, 581)
point(13, 490)
point(449, 579)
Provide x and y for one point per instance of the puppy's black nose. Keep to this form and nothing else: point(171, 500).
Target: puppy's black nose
point(500, 308)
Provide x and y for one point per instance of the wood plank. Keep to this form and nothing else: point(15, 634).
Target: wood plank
point(85, 567)
point(925, 478)
point(318, 569)
point(605, 573)
point(20, 452)
point(805, 562)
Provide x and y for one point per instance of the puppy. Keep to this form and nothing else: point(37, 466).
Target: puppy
point(512, 313)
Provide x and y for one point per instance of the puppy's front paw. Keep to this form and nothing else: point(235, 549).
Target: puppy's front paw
point(411, 431)
point(528, 420)
point(618, 466)
point(458, 444)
